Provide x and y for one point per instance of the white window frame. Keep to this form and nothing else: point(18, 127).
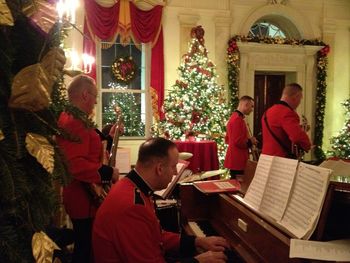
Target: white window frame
point(145, 89)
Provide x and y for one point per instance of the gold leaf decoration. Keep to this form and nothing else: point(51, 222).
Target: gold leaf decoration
point(39, 147)
point(6, 18)
point(43, 248)
point(42, 12)
point(2, 136)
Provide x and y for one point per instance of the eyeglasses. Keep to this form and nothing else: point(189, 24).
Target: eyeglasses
point(95, 95)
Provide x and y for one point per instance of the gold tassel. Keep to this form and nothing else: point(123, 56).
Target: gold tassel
point(39, 147)
point(6, 18)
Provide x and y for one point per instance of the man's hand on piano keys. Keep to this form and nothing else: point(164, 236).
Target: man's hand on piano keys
point(212, 243)
point(214, 247)
point(211, 257)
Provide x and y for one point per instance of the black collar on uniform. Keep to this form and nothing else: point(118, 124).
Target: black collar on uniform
point(285, 104)
point(240, 113)
point(139, 182)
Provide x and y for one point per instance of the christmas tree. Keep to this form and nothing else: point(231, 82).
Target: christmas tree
point(341, 142)
point(29, 158)
point(195, 105)
point(130, 111)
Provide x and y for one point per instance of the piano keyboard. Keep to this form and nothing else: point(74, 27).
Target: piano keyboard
point(196, 229)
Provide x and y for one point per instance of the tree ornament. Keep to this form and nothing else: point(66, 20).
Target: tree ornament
point(39, 147)
point(124, 69)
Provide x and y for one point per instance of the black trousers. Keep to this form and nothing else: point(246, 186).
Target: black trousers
point(233, 173)
point(82, 240)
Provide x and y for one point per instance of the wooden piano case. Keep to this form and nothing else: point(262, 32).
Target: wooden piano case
point(256, 238)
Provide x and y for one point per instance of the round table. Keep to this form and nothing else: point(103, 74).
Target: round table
point(205, 154)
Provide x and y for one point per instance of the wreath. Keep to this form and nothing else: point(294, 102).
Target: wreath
point(124, 69)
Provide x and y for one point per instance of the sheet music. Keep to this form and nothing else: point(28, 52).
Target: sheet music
point(123, 160)
point(278, 187)
point(339, 167)
point(306, 200)
point(256, 188)
point(337, 250)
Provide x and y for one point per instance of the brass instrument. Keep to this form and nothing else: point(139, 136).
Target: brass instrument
point(253, 149)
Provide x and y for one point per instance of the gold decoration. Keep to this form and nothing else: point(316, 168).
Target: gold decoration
point(32, 86)
point(1, 135)
point(41, 149)
point(43, 248)
point(6, 18)
point(42, 12)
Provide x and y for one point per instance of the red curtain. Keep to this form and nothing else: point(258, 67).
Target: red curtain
point(146, 27)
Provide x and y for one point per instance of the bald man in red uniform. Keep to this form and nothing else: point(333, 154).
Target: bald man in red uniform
point(238, 138)
point(281, 125)
point(126, 228)
point(84, 163)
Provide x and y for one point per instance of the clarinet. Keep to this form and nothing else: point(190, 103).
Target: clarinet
point(253, 149)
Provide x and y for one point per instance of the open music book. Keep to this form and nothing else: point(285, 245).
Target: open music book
point(218, 186)
point(339, 167)
point(289, 192)
point(180, 167)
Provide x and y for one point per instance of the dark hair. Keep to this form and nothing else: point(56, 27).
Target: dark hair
point(246, 97)
point(154, 148)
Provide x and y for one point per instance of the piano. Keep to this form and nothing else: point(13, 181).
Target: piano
point(253, 237)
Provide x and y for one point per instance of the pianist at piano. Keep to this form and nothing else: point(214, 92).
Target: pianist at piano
point(126, 228)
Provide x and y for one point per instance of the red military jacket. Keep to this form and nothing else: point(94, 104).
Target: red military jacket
point(126, 228)
point(84, 160)
point(285, 124)
point(237, 138)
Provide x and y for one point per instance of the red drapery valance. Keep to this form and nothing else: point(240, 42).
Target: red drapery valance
point(104, 23)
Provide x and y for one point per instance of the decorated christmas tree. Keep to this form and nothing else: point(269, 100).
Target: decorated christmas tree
point(30, 162)
point(341, 142)
point(195, 104)
point(130, 111)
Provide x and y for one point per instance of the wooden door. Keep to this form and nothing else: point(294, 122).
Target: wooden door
point(267, 91)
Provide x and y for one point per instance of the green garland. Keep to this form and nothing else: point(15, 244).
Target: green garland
point(233, 66)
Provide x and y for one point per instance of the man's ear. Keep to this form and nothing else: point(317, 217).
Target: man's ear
point(159, 168)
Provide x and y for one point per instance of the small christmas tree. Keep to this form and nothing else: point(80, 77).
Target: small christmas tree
point(341, 142)
point(195, 105)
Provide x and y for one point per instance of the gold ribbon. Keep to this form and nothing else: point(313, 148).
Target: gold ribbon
point(6, 18)
point(43, 248)
point(124, 24)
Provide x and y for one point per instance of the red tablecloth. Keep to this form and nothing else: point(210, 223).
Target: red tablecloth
point(205, 154)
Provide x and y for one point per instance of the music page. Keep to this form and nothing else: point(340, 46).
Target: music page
point(336, 250)
point(305, 204)
point(256, 188)
point(278, 187)
point(339, 167)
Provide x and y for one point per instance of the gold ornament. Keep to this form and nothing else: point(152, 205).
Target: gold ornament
point(42, 12)
point(41, 149)
point(1, 135)
point(43, 248)
point(6, 18)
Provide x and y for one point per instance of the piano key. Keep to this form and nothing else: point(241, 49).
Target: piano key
point(196, 229)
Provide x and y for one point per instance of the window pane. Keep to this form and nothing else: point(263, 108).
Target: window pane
point(130, 104)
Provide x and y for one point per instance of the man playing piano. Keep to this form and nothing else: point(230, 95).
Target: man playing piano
point(126, 228)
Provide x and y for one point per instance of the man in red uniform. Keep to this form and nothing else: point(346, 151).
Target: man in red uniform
point(281, 125)
point(83, 156)
point(238, 138)
point(126, 228)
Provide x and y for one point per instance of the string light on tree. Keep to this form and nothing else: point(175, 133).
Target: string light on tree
point(195, 105)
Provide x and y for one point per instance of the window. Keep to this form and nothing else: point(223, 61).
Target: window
point(131, 97)
point(266, 29)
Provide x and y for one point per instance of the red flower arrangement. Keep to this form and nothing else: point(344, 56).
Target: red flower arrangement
point(124, 70)
point(324, 51)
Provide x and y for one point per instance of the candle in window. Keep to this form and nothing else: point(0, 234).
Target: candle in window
point(75, 61)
